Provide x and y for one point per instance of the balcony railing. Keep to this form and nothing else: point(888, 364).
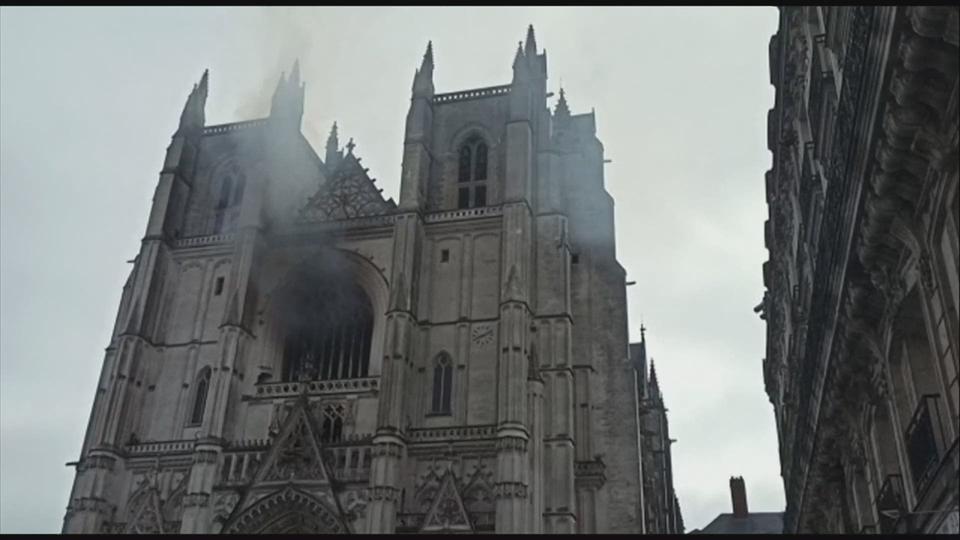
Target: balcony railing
point(923, 437)
point(891, 504)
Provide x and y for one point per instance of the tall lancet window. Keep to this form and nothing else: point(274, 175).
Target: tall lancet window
point(228, 197)
point(329, 332)
point(442, 384)
point(472, 174)
point(200, 396)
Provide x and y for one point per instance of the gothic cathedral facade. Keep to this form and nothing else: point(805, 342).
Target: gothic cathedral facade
point(295, 353)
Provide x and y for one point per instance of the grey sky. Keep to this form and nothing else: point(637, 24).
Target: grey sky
point(90, 97)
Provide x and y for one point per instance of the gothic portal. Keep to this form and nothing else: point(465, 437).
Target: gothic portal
point(295, 353)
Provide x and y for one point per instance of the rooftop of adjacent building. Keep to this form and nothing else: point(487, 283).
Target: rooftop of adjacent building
point(753, 523)
point(741, 520)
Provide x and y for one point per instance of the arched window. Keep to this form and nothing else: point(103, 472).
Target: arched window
point(329, 332)
point(225, 191)
point(465, 159)
point(200, 396)
point(442, 384)
point(331, 430)
point(228, 198)
point(472, 174)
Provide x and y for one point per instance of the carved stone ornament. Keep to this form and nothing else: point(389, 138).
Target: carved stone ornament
point(448, 512)
point(348, 194)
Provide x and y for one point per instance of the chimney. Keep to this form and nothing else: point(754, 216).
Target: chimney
point(738, 493)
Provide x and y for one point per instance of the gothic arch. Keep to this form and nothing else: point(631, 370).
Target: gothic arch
point(442, 384)
point(201, 389)
point(287, 511)
point(229, 182)
point(473, 129)
point(352, 268)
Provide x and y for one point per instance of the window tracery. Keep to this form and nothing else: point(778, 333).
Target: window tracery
point(442, 384)
point(472, 173)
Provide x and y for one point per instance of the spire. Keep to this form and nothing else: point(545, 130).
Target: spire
point(333, 148)
point(294, 81)
point(643, 343)
point(653, 375)
point(332, 140)
point(562, 110)
point(518, 58)
point(427, 63)
point(204, 81)
point(287, 101)
point(423, 77)
point(193, 116)
point(531, 47)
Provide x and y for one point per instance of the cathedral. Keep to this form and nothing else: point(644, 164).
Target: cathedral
point(294, 352)
point(862, 282)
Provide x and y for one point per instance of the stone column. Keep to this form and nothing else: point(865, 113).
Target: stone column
point(536, 455)
point(389, 442)
point(197, 512)
point(90, 503)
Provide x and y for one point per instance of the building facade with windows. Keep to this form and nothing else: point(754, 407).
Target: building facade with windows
point(295, 353)
point(862, 282)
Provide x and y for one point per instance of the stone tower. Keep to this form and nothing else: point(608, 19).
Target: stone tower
point(294, 353)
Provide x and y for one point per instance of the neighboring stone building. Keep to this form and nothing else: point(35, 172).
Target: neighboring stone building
point(862, 299)
point(294, 353)
point(661, 509)
point(742, 520)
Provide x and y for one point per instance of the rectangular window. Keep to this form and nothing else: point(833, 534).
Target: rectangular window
point(445, 255)
point(480, 196)
point(219, 287)
point(574, 259)
point(463, 200)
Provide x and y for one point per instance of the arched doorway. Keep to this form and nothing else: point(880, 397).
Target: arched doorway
point(288, 511)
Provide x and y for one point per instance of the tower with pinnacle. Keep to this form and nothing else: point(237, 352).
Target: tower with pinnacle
point(296, 353)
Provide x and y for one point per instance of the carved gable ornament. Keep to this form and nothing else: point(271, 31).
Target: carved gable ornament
point(295, 454)
point(291, 492)
point(348, 193)
point(145, 515)
point(447, 513)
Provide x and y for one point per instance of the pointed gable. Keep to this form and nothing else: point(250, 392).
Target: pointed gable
point(291, 492)
point(448, 512)
point(295, 454)
point(145, 515)
point(348, 193)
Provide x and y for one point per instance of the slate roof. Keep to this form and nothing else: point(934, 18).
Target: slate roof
point(754, 523)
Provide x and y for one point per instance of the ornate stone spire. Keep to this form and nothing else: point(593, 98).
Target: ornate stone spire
point(193, 110)
point(530, 49)
point(333, 148)
point(518, 59)
point(423, 78)
point(427, 63)
point(562, 110)
point(287, 101)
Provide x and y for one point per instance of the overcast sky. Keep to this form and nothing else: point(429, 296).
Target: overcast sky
point(90, 97)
